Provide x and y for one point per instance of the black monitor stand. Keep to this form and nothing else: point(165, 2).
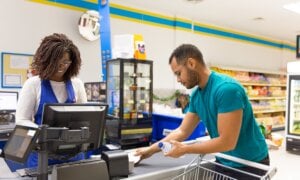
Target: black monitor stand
point(43, 154)
point(55, 134)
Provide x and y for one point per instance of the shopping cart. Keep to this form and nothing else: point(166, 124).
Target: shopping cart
point(203, 169)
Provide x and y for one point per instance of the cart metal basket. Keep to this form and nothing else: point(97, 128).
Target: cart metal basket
point(202, 169)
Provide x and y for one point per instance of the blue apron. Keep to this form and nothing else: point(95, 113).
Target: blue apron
point(48, 96)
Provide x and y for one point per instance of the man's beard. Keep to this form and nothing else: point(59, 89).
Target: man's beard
point(193, 79)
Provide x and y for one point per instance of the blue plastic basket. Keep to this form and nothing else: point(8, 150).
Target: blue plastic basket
point(164, 124)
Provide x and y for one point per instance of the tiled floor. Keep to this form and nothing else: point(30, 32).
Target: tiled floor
point(287, 164)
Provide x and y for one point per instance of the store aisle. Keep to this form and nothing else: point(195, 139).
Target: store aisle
point(287, 163)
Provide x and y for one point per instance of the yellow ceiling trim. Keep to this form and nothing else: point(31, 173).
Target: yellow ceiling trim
point(141, 11)
point(92, 1)
point(59, 5)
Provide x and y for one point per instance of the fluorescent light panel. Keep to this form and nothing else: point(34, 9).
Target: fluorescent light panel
point(295, 7)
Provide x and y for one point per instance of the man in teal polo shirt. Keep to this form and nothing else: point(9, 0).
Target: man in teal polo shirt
point(222, 104)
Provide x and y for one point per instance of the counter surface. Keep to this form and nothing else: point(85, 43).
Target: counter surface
point(156, 167)
point(160, 167)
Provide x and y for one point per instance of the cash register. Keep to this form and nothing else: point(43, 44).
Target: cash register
point(67, 129)
point(8, 105)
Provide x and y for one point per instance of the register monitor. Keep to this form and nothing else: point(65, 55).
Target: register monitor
point(8, 100)
point(20, 143)
point(8, 106)
point(75, 116)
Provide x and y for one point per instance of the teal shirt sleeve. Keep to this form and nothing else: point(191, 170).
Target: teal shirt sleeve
point(191, 107)
point(230, 97)
point(186, 109)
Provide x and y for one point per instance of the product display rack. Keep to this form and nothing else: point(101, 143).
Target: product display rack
point(266, 92)
point(129, 97)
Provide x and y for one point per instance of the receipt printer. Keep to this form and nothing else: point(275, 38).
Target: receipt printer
point(117, 163)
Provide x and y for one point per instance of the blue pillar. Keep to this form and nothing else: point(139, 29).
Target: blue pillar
point(105, 39)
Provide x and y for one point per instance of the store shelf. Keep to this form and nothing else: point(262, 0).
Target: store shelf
point(261, 84)
point(278, 127)
point(295, 132)
point(266, 98)
point(246, 69)
point(265, 90)
point(296, 120)
point(269, 111)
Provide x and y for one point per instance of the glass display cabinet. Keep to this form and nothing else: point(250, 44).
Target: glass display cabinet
point(292, 131)
point(129, 96)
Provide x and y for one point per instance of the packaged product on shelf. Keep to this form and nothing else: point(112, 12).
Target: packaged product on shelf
point(242, 76)
point(129, 46)
point(277, 139)
point(266, 92)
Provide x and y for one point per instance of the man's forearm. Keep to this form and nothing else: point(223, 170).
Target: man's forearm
point(210, 146)
point(177, 135)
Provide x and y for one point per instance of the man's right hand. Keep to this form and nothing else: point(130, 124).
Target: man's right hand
point(146, 152)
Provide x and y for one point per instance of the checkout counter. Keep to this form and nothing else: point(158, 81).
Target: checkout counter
point(160, 167)
point(155, 167)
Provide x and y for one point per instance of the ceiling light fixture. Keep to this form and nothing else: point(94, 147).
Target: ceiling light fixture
point(194, 1)
point(294, 7)
point(258, 19)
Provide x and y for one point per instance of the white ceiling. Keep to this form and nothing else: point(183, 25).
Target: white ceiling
point(277, 24)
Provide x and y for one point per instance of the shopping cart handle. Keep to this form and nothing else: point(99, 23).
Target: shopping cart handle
point(271, 171)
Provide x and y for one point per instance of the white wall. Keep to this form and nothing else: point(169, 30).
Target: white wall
point(25, 23)
point(160, 42)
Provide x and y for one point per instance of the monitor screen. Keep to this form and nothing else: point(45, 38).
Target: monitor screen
point(20, 143)
point(74, 117)
point(8, 100)
point(8, 106)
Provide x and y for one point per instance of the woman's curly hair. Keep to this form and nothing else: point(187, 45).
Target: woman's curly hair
point(51, 50)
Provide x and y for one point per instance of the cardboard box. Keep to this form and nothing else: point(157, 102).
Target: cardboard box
point(129, 46)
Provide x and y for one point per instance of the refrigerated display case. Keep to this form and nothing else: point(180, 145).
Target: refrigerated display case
point(129, 96)
point(293, 108)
